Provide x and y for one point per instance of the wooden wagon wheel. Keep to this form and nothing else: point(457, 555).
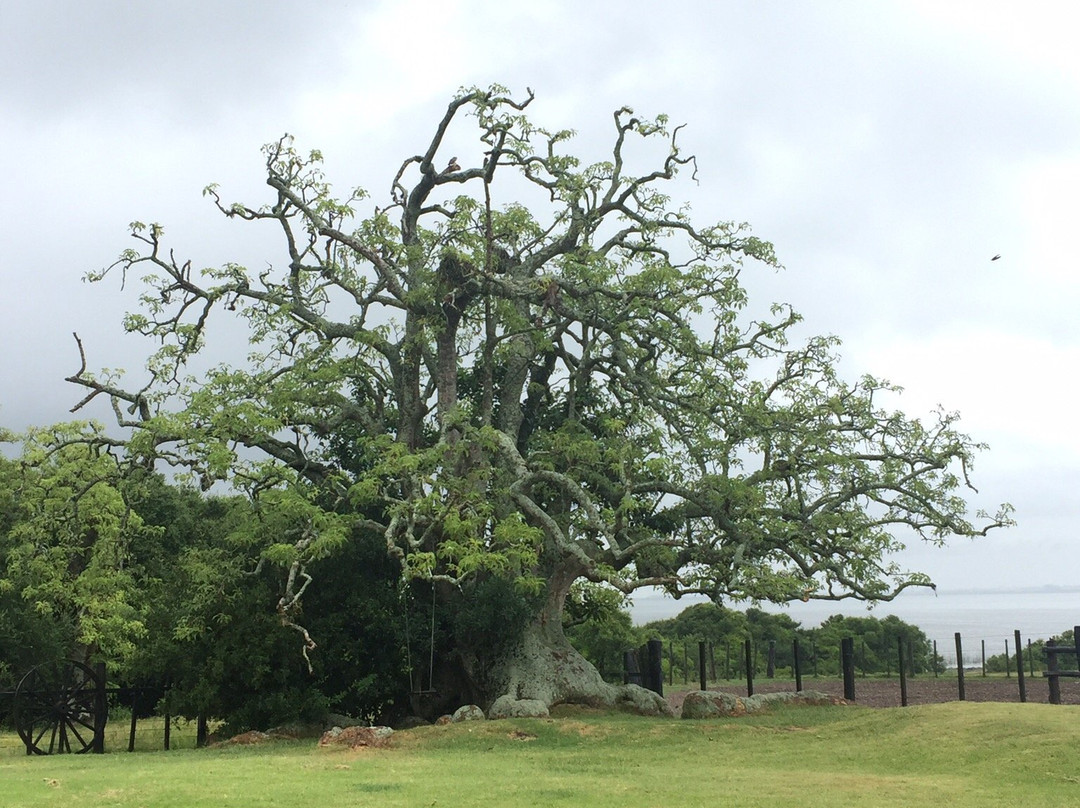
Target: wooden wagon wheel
point(55, 708)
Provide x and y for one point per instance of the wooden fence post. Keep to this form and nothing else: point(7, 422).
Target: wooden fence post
point(630, 675)
point(959, 665)
point(101, 709)
point(134, 713)
point(796, 664)
point(749, 668)
point(903, 676)
point(1019, 664)
point(702, 669)
point(1051, 673)
point(656, 666)
point(847, 662)
point(770, 665)
point(1053, 670)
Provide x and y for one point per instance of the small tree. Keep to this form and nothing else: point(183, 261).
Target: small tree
point(877, 650)
point(600, 628)
point(69, 578)
point(525, 367)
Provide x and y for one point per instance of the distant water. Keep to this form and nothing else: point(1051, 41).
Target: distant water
point(978, 616)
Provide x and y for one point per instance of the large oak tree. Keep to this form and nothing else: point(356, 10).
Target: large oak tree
point(518, 366)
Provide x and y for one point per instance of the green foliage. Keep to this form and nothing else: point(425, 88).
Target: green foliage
point(219, 643)
point(166, 586)
point(69, 542)
point(600, 628)
point(702, 621)
point(726, 630)
point(876, 648)
point(485, 620)
point(28, 637)
point(243, 667)
point(358, 613)
point(1033, 654)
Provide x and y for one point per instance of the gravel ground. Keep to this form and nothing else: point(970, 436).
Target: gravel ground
point(920, 690)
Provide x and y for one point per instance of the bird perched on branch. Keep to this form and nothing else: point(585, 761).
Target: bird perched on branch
point(452, 166)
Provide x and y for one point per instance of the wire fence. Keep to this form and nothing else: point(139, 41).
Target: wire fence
point(1048, 671)
point(115, 719)
point(149, 734)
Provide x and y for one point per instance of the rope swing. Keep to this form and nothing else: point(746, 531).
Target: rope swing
point(417, 689)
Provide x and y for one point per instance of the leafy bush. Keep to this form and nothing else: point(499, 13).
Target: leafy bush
point(600, 628)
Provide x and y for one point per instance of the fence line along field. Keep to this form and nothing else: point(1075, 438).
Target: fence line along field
point(149, 736)
point(1013, 677)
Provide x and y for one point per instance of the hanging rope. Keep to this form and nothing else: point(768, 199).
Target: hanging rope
point(417, 687)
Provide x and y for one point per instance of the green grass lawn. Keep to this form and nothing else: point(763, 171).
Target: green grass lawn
point(958, 754)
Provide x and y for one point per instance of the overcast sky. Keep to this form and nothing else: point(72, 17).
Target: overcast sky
point(888, 149)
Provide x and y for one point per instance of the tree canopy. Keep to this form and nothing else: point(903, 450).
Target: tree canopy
point(67, 536)
point(520, 365)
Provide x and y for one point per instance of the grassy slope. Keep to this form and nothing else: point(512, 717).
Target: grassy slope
point(958, 754)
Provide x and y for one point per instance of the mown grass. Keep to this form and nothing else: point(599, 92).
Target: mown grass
point(959, 754)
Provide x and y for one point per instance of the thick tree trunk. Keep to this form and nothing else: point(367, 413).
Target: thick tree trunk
point(544, 667)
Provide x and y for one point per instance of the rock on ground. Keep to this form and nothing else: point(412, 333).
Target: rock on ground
point(637, 699)
point(923, 689)
point(468, 712)
point(357, 736)
point(509, 707)
point(713, 704)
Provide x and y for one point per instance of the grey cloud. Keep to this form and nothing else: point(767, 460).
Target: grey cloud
point(62, 59)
